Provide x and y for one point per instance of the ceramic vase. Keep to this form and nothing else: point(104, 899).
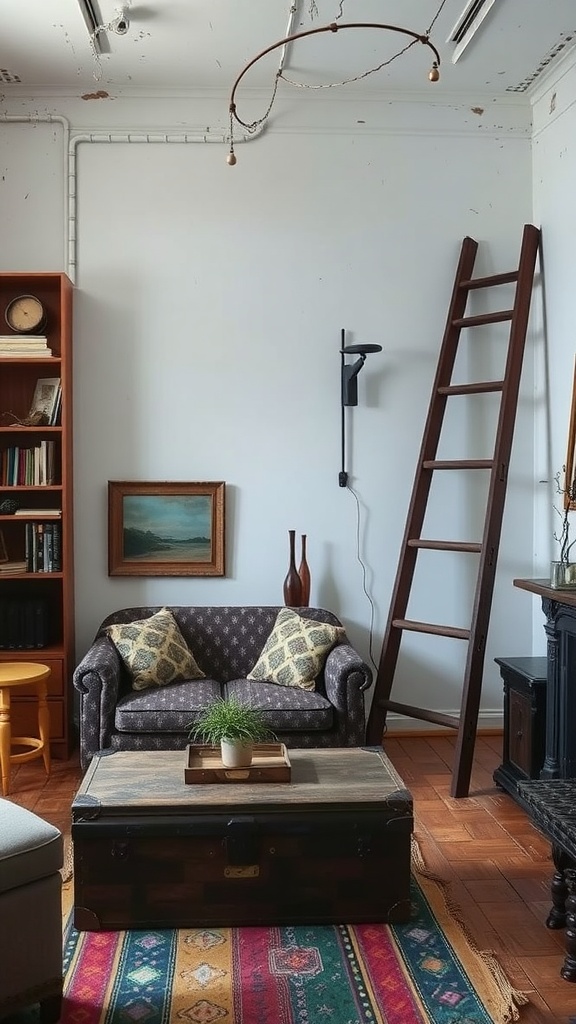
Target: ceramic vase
point(292, 583)
point(304, 574)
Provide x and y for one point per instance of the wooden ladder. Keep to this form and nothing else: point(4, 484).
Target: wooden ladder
point(412, 542)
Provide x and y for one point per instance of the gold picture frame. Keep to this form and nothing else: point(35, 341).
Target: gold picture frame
point(166, 528)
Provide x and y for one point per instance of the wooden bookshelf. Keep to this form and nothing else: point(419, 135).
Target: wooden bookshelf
point(37, 606)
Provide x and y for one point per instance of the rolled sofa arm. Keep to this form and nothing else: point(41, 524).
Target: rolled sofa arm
point(97, 678)
point(346, 678)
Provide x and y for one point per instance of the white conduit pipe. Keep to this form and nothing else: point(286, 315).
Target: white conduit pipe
point(289, 30)
point(71, 142)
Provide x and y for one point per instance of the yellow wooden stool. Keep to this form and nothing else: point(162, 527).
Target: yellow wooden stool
point(12, 675)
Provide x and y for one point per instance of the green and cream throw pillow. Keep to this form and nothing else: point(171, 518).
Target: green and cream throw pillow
point(295, 652)
point(154, 650)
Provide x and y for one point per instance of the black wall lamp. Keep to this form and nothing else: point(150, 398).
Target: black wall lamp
point(349, 388)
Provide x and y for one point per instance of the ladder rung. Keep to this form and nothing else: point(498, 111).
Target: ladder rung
point(487, 282)
point(445, 545)
point(484, 318)
point(422, 713)
point(429, 627)
point(472, 389)
point(458, 464)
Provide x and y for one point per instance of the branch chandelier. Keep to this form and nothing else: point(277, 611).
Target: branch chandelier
point(333, 27)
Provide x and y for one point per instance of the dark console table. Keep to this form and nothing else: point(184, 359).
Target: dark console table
point(559, 607)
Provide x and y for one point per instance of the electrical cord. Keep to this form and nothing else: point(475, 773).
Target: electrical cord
point(363, 567)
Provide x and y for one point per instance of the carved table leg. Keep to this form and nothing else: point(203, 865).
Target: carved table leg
point(568, 969)
point(558, 889)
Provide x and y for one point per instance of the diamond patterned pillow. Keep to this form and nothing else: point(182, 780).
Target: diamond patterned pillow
point(154, 650)
point(295, 652)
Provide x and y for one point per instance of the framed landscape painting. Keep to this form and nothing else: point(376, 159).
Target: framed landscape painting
point(165, 529)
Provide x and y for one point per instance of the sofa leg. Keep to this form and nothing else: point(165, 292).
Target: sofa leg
point(51, 1009)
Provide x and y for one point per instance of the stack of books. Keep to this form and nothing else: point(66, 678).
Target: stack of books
point(24, 624)
point(12, 568)
point(32, 467)
point(19, 346)
point(43, 547)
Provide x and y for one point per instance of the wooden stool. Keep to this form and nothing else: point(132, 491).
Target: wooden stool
point(12, 675)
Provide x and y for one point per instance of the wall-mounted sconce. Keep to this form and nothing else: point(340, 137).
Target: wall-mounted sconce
point(349, 388)
point(350, 371)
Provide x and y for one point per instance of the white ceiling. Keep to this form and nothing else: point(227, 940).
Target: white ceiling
point(182, 45)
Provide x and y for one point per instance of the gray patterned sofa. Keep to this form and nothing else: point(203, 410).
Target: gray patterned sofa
point(226, 642)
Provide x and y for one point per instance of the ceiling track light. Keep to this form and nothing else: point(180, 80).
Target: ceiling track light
point(91, 15)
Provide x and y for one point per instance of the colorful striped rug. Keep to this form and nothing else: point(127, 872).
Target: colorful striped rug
point(425, 971)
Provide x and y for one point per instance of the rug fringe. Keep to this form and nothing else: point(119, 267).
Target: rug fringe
point(510, 998)
point(67, 868)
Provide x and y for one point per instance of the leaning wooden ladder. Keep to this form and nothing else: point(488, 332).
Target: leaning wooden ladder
point(466, 723)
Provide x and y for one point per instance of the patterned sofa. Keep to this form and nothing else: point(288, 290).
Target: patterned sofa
point(226, 643)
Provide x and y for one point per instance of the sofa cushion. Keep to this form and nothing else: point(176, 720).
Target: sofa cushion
point(168, 709)
point(295, 652)
point(285, 708)
point(154, 650)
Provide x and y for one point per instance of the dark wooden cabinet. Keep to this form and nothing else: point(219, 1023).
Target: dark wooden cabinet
point(524, 681)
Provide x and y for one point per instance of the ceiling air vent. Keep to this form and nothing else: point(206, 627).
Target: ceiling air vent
point(566, 41)
point(9, 77)
point(468, 24)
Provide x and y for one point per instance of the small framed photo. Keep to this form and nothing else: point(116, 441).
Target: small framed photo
point(3, 550)
point(165, 529)
point(45, 399)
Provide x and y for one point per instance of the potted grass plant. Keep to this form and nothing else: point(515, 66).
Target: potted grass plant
point(235, 727)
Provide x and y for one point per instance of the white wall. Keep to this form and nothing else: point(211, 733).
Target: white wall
point(208, 309)
point(554, 173)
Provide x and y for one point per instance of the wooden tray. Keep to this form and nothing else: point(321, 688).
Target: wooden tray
point(270, 763)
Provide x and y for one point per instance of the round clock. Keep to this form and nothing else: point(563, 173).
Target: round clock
point(25, 314)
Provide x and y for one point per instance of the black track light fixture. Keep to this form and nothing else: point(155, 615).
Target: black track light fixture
point(350, 371)
point(349, 388)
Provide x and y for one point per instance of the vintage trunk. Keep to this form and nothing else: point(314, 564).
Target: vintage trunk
point(330, 846)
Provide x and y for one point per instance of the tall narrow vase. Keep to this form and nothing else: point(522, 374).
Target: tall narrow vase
point(292, 584)
point(304, 574)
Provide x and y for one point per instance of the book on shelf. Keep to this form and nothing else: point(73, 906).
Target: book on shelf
point(17, 345)
point(29, 353)
point(44, 512)
point(22, 339)
point(56, 411)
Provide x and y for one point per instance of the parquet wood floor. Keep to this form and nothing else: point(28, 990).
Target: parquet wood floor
point(498, 865)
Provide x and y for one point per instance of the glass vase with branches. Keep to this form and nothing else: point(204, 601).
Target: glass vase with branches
point(568, 492)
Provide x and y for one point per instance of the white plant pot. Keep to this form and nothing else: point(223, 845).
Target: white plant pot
point(236, 754)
